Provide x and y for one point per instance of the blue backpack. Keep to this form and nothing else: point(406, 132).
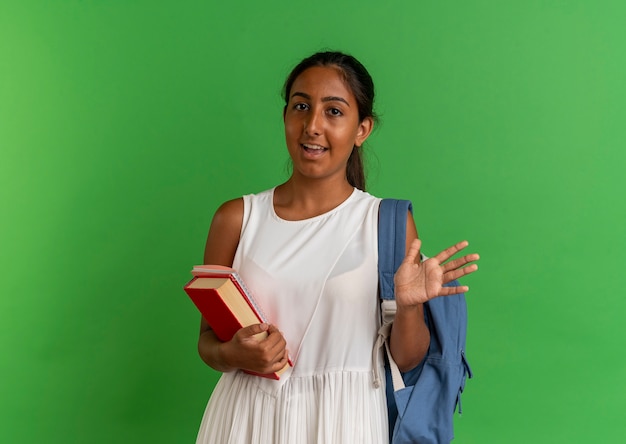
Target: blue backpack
point(422, 401)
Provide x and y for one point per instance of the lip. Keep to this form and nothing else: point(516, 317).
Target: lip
point(313, 150)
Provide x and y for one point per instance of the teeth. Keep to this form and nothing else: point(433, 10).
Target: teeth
point(313, 147)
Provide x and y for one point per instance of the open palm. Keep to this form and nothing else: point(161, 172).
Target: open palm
point(416, 283)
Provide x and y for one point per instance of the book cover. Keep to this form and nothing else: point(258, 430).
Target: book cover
point(226, 303)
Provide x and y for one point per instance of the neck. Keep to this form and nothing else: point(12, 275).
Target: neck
point(303, 199)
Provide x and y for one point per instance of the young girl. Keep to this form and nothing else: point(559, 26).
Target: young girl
point(308, 250)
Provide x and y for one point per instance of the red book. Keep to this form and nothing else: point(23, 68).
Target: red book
point(226, 304)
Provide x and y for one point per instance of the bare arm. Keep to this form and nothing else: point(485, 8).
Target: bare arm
point(416, 283)
point(244, 350)
point(410, 337)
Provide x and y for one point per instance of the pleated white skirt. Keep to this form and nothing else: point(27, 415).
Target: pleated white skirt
point(341, 407)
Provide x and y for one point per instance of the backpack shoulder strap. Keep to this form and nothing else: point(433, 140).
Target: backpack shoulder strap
point(392, 216)
point(391, 242)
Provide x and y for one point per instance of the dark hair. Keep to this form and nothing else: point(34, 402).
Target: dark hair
point(360, 82)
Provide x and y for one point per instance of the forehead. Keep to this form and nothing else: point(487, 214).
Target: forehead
point(322, 81)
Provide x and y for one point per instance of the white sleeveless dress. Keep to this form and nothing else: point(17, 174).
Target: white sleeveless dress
point(316, 280)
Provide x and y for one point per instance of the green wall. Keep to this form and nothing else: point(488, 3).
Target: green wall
point(125, 123)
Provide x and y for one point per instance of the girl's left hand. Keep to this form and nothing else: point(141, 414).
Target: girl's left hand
point(416, 283)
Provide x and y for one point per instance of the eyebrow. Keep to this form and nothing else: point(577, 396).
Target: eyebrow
point(324, 99)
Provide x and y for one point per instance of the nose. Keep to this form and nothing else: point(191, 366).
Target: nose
point(313, 124)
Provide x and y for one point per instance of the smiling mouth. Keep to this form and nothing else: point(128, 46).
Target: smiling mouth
point(313, 149)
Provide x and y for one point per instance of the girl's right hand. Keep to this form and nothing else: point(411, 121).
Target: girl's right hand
point(247, 351)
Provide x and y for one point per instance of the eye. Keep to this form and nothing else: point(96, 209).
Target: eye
point(335, 112)
point(301, 107)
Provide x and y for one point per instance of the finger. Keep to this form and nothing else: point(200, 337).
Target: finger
point(275, 339)
point(283, 358)
point(278, 352)
point(450, 291)
point(458, 263)
point(459, 272)
point(271, 328)
point(251, 330)
point(274, 334)
point(446, 254)
point(414, 250)
point(278, 365)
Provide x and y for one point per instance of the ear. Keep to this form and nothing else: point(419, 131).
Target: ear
point(364, 130)
point(284, 112)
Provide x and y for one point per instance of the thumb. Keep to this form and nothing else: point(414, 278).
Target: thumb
point(414, 249)
point(252, 330)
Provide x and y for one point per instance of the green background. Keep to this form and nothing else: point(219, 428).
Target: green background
point(124, 124)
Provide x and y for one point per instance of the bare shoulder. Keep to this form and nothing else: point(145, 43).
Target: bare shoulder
point(224, 233)
point(411, 231)
point(229, 213)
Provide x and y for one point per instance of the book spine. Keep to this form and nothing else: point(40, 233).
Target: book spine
point(215, 311)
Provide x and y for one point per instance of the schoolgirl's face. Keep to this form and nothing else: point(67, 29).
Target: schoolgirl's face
point(322, 124)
